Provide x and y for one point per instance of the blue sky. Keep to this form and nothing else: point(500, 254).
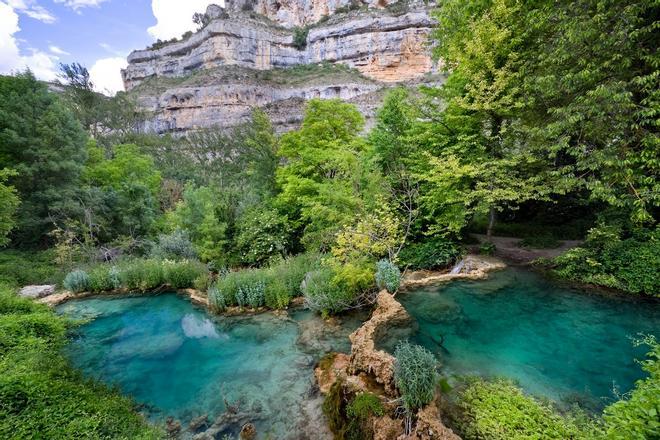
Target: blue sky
point(99, 34)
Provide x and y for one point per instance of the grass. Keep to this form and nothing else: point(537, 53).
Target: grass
point(22, 268)
point(41, 395)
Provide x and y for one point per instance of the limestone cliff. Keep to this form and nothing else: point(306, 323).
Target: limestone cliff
point(216, 75)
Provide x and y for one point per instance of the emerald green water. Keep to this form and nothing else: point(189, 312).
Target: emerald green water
point(179, 361)
point(556, 342)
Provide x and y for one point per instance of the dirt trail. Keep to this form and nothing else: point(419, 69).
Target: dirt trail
point(508, 248)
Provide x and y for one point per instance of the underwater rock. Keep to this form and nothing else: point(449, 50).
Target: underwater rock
point(173, 427)
point(364, 356)
point(198, 327)
point(198, 423)
point(248, 432)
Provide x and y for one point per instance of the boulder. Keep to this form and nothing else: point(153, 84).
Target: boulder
point(37, 291)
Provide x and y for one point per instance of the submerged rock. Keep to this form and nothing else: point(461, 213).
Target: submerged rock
point(248, 432)
point(198, 423)
point(37, 291)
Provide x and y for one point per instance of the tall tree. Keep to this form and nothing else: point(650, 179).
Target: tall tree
point(80, 96)
point(42, 141)
point(325, 173)
point(593, 88)
point(479, 166)
point(9, 202)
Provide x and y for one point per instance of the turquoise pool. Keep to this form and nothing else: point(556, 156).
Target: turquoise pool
point(178, 361)
point(556, 342)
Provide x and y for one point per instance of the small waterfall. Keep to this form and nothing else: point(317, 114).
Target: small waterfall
point(458, 268)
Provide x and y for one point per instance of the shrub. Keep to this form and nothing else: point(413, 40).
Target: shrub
point(254, 294)
point(182, 274)
point(431, 254)
point(300, 37)
point(21, 268)
point(292, 271)
point(487, 248)
point(103, 278)
point(323, 295)
point(77, 281)
point(630, 264)
point(277, 295)
point(262, 236)
point(203, 281)
point(499, 410)
point(359, 412)
point(273, 286)
point(415, 374)
point(388, 276)
point(636, 416)
point(354, 277)
point(175, 246)
point(142, 275)
point(216, 298)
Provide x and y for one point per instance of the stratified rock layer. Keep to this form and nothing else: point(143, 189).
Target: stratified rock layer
point(188, 85)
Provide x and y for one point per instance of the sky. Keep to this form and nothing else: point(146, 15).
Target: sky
point(99, 34)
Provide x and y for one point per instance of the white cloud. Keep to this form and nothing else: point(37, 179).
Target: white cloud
point(77, 5)
point(57, 51)
point(32, 10)
point(11, 60)
point(106, 75)
point(174, 17)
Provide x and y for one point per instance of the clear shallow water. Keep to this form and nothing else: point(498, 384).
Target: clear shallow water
point(555, 342)
point(179, 361)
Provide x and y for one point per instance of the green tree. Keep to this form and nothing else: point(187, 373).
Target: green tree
point(480, 165)
point(325, 173)
point(9, 202)
point(42, 141)
point(119, 195)
point(80, 97)
point(593, 88)
point(207, 217)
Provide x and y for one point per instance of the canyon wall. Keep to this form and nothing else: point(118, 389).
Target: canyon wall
point(254, 53)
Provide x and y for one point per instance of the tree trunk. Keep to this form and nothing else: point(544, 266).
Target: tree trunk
point(491, 224)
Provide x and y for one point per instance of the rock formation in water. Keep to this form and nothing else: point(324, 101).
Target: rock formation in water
point(276, 54)
point(365, 358)
point(370, 370)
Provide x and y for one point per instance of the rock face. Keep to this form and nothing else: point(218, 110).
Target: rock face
point(37, 291)
point(213, 77)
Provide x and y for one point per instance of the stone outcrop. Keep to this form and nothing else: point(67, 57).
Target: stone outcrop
point(429, 426)
point(212, 78)
point(298, 13)
point(36, 292)
point(371, 370)
point(378, 364)
point(472, 267)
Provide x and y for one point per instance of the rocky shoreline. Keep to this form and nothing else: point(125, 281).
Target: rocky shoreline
point(367, 369)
